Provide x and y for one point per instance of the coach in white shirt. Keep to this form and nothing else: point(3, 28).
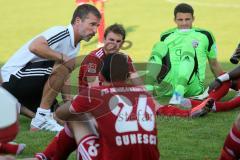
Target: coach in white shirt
point(26, 74)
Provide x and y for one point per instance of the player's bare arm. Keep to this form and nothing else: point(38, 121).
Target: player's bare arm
point(215, 67)
point(40, 47)
point(65, 113)
point(66, 91)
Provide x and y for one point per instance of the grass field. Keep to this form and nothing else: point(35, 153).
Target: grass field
point(179, 139)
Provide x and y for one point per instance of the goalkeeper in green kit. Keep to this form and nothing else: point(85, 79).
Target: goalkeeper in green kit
point(178, 61)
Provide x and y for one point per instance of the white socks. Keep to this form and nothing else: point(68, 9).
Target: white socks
point(43, 112)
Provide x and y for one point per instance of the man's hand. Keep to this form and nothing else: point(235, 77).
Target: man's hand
point(214, 85)
point(69, 63)
point(64, 58)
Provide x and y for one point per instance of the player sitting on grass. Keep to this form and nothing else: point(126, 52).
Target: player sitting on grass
point(224, 83)
point(218, 89)
point(182, 53)
point(134, 137)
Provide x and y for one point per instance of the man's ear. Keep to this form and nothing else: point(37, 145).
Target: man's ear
point(77, 20)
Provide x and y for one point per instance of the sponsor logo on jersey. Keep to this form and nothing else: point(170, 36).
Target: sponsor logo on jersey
point(92, 68)
point(195, 43)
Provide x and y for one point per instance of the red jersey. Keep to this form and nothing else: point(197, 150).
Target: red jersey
point(92, 64)
point(126, 121)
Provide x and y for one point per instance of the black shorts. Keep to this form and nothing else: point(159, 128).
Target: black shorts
point(28, 83)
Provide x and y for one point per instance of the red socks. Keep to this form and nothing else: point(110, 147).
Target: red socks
point(217, 95)
point(231, 148)
point(65, 144)
point(169, 110)
point(60, 147)
point(11, 148)
point(221, 91)
point(228, 105)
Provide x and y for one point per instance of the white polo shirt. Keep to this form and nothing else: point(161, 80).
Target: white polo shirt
point(59, 38)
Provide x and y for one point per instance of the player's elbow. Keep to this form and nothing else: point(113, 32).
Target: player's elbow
point(33, 48)
point(36, 45)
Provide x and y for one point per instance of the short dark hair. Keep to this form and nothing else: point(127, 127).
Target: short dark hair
point(183, 8)
point(83, 10)
point(115, 28)
point(115, 67)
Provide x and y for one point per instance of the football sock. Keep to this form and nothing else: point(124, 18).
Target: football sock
point(218, 94)
point(228, 105)
point(66, 144)
point(195, 102)
point(10, 148)
point(231, 148)
point(221, 91)
point(61, 146)
point(169, 110)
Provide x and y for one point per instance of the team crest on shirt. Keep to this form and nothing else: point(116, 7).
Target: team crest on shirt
point(195, 43)
point(92, 68)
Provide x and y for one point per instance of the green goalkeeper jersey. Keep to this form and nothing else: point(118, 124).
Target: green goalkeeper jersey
point(175, 43)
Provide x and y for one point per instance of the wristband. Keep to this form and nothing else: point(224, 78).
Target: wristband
point(224, 77)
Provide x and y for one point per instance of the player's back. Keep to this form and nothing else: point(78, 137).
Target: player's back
point(127, 124)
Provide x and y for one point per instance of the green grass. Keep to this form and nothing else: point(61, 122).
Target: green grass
point(180, 139)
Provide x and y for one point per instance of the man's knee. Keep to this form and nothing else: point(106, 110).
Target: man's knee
point(59, 75)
